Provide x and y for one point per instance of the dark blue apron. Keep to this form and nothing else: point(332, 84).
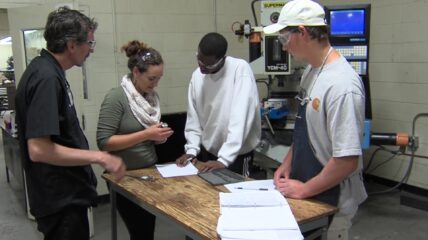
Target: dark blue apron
point(304, 164)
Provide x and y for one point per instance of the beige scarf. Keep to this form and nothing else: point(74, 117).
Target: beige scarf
point(145, 109)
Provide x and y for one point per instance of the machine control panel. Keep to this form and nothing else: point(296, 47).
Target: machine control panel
point(353, 52)
point(357, 56)
point(359, 66)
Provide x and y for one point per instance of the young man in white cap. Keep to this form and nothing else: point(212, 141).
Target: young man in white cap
point(325, 160)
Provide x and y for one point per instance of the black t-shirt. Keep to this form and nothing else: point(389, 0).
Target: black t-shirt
point(45, 108)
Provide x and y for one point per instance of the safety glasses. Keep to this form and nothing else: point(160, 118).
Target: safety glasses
point(212, 66)
point(284, 37)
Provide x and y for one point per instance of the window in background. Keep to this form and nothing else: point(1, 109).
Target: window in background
point(33, 43)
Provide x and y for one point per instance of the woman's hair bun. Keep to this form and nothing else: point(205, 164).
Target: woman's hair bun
point(133, 47)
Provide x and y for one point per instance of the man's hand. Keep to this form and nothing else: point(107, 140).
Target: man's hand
point(291, 188)
point(185, 159)
point(113, 164)
point(284, 170)
point(280, 173)
point(211, 165)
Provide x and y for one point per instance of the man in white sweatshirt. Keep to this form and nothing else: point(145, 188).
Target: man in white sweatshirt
point(223, 116)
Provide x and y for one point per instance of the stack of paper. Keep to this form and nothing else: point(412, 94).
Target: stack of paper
point(256, 215)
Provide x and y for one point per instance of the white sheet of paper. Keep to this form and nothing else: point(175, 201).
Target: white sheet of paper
point(255, 185)
point(253, 235)
point(262, 235)
point(172, 170)
point(256, 218)
point(252, 199)
point(255, 210)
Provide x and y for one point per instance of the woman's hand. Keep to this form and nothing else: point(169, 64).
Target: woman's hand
point(158, 134)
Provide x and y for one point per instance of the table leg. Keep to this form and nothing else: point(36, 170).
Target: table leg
point(315, 230)
point(324, 234)
point(319, 234)
point(113, 214)
point(7, 175)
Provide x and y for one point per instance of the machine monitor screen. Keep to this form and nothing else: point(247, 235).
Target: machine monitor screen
point(350, 22)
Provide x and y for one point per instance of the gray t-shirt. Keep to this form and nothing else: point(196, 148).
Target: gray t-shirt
point(117, 118)
point(335, 119)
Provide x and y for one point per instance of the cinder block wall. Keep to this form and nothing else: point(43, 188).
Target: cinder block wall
point(398, 59)
point(172, 27)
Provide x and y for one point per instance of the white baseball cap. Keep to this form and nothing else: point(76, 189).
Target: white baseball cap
point(296, 13)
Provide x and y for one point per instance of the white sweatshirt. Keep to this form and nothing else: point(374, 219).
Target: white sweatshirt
point(223, 111)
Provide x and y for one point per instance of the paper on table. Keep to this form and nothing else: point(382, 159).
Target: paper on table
point(256, 215)
point(252, 199)
point(261, 235)
point(253, 235)
point(172, 170)
point(255, 185)
point(257, 218)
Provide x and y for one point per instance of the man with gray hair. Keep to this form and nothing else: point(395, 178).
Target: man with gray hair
point(60, 181)
point(325, 159)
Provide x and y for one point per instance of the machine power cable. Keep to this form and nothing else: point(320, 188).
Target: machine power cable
point(395, 154)
point(412, 157)
point(254, 11)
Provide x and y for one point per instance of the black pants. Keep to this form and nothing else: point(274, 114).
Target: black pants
point(71, 223)
point(139, 222)
point(242, 164)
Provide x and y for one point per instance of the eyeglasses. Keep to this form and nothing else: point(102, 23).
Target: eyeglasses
point(284, 38)
point(212, 66)
point(92, 44)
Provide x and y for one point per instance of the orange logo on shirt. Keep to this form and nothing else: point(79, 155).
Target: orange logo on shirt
point(316, 104)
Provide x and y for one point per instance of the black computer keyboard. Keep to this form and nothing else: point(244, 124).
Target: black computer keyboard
point(221, 176)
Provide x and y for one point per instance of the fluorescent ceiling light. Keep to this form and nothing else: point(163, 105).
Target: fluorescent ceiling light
point(6, 40)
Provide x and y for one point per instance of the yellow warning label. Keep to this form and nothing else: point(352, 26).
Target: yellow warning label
point(273, 4)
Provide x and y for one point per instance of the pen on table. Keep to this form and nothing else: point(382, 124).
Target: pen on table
point(188, 160)
point(258, 189)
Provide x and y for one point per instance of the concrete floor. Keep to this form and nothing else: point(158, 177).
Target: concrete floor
point(379, 218)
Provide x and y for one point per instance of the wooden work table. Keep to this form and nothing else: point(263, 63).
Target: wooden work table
point(193, 204)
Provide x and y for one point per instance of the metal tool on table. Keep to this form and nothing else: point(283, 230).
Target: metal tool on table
point(147, 178)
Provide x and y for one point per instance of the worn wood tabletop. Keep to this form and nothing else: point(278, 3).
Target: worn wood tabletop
point(193, 203)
